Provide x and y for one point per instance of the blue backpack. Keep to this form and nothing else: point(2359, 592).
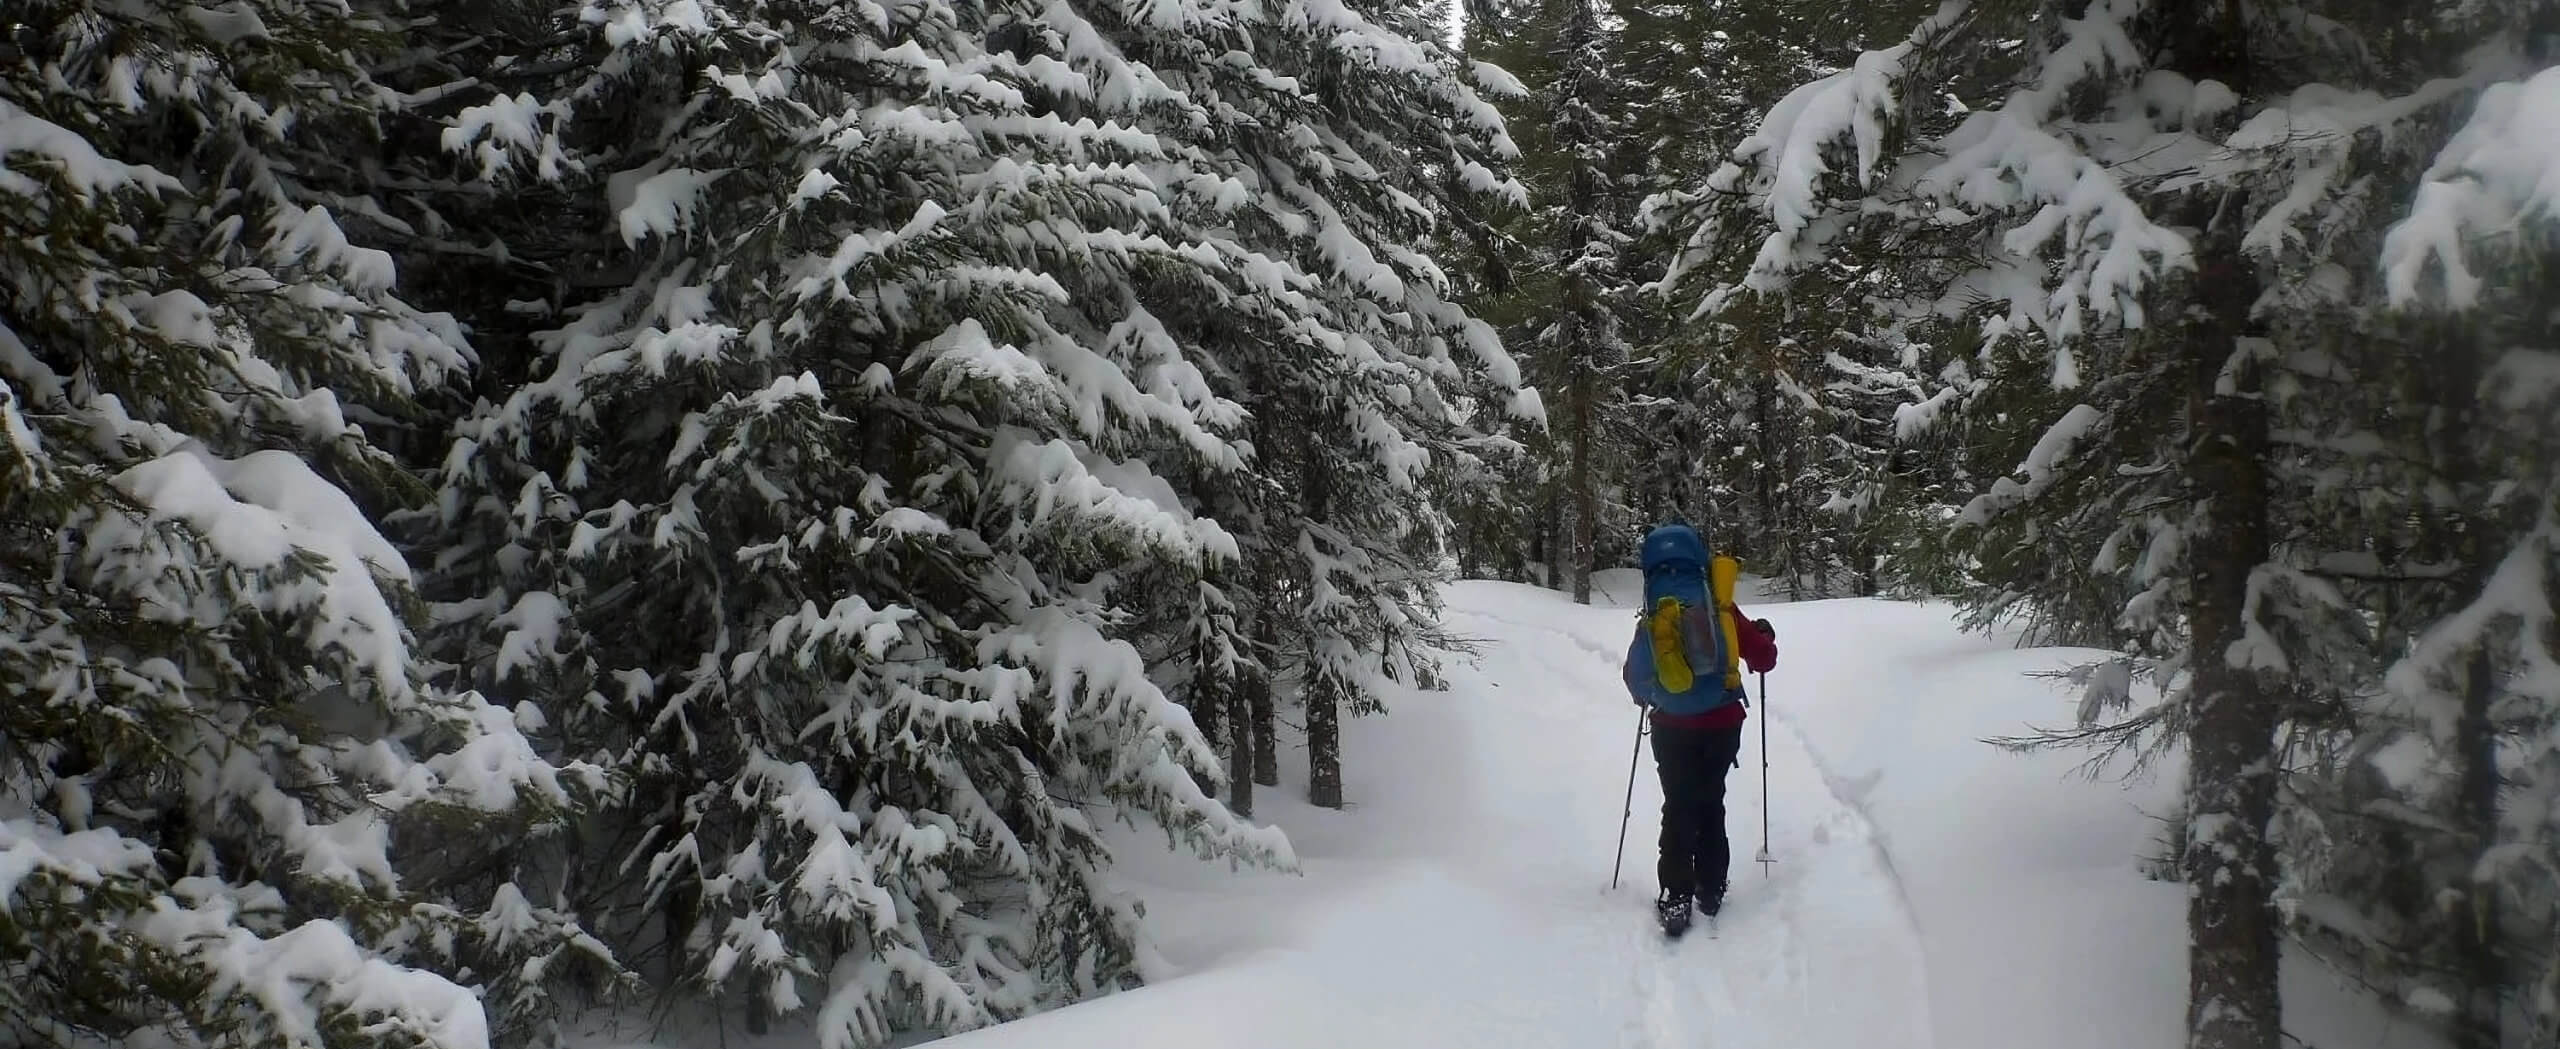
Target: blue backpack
point(1677, 661)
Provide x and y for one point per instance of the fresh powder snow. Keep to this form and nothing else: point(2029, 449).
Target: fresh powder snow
point(1928, 888)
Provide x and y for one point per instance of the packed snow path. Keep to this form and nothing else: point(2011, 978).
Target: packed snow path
point(1816, 950)
point(1461, 900)
point(1466, 900)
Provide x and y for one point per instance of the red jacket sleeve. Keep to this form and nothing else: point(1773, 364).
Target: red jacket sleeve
point(1759, 643)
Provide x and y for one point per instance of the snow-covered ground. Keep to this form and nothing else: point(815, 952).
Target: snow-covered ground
point(1928, 890)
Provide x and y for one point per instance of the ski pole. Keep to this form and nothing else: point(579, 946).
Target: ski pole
point(1765, 858)
point(1630, 811)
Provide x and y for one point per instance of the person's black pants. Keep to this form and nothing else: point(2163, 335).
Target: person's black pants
point(1693, 761)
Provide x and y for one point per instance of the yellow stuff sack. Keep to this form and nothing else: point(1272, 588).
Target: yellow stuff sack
point(1721, 575)
point(1670, 663)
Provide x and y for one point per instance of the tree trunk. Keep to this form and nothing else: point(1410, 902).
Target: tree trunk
point(1491, 260)
point(2478, 957)
point(1324, 737)
point(2231, 786)
point(1695, 500)
point(1861, 554)
point(2231, 789)
point(1210, 695)
point(1584, 325)
point(2229, 864)
point(1266, 651)
point(1585, 492)
point(2476, 926)
point(1772, 546)
point(1323, 691)
point(1242, 752)
point(1808, 551)
point(1550, 534)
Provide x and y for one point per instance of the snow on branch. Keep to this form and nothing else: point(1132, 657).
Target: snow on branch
point(2078, 247)
point(2518, 595)
point(496, 132)
point(281, 976)
point(494, 768)
point(289, 987)
point(2497, 176)
point(2319, 126)
point(2000, 160)
point(1782, 160)
point(2094, 45)
point(2044, 463)
point(1351, 36)
point(2012, 160)
point(311, 235)
point(82, 858)
point(1782, 164)
point(661, 203)
point(1494, 80)
point(33, 141)
point(1045, 479)
point(267, 514)
point(837, 878)
point(1099, 683)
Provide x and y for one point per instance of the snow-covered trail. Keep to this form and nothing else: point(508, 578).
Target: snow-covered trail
point(1463, 899)
point(1930, 890)
point(1815, 950)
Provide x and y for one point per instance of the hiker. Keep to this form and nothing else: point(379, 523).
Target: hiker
point(1680, 665)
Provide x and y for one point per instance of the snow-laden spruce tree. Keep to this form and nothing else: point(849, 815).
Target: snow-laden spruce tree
point(1555, 281)
point(2145, 218)
point(2416, 826)
point(1582, 338)
point(2425, 847)
point(1837, 499)
point(821, 516)
point(226, 796)
point(1545, 274)
point(847, 530)
point(1342, 138)
point(1729, 429)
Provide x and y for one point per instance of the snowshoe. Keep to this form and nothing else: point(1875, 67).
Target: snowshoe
point(1672, 910)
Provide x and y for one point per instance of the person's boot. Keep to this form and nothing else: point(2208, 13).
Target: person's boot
point(1711, 900)
point(1672, 910)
